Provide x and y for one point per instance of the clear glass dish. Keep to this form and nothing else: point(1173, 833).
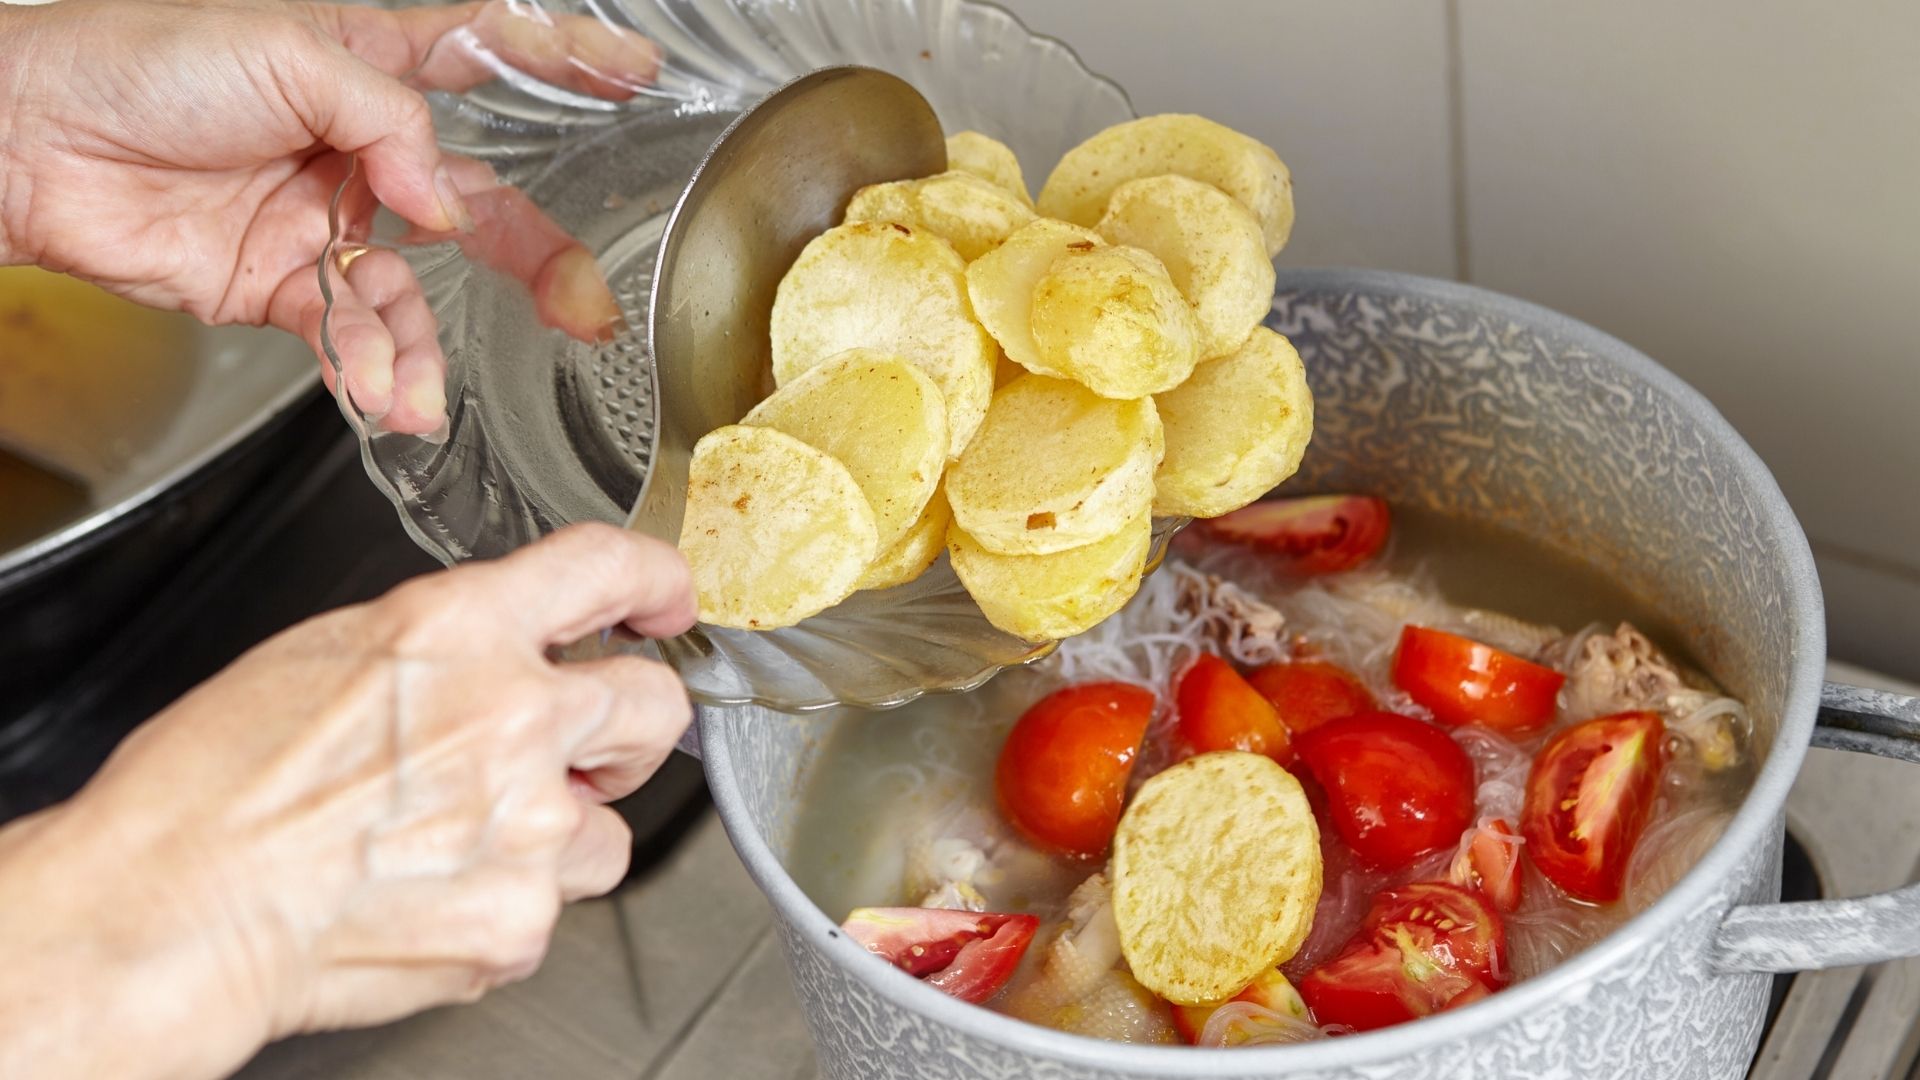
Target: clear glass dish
point(547, 425)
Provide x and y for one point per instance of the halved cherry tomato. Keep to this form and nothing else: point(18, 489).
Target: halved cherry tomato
point(1397, 787)
point(1317, 534)
point(1063, 770)
point(1308, 693)
point(1490, 862)
point(1465, 682)
point(968, 954)
point(1220, 711)
point(1422, 948)
point(1588, 798)
point(1269, 989)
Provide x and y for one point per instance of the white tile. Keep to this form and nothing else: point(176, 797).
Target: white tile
point(1730, 186)
point(1873, 616)
point(1352, 95)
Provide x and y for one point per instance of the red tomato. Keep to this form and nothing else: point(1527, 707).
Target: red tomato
point(1397, 787)
point(1465, 682)
point(1063, 770)
point(1308, 693)
point(1269, 989)
point(1318, 534)
point(1490, 862)
point(1219, 711)
point(1588, 798)
point(964, 953)
point(1422, 948)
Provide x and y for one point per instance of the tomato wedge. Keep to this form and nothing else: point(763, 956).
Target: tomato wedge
point(1422, 948)
point(967, 954)
point(1269, 989)
point(1308, 693)
point(1220, 711)
point(1062, 776)
point(1462, 681)
point(1316, 534)
point(1490, 862)
point(1588, 799)
point(1397, 788)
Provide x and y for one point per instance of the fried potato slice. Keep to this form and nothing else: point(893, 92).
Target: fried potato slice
point(1054, 467)
point(910, 556)
point(989, 159)
point(1210, 245)
point(895, 289)
point(775, 530)
point(1216, 871)
point(1112, 320)
point(1186, 145)
point(1000, 283)
point(1051, 597)
point(972, 214)
point(1234, 430)
point(1005, 371)
point(878, 415)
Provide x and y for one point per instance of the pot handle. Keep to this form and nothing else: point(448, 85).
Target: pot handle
point(1810, 934)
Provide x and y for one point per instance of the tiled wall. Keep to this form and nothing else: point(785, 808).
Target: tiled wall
point(1731, 185)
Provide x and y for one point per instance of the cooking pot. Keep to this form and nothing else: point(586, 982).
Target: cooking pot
point(1463, 401)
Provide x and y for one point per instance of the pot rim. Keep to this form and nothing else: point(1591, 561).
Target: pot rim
point(1757, 815)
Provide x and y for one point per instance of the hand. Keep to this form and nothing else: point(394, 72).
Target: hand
point(184, 154)
point(377, 811)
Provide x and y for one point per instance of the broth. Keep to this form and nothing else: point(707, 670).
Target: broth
point(35, 501)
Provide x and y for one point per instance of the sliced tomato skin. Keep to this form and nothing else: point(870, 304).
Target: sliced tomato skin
point(1314, 534)
point(1589, 796)
point(1490, 862)
point(967, 954)
point(1423, 948)
point(1308, 693)
point(1062, 774)
point(1462, 681)
point(1218, 710)
point(1397, 788)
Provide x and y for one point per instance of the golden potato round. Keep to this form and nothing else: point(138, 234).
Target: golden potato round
point(1216, 871)
point(775, 531)
point(1192, 146)
point(1052, 597)
point(989, 159)
point(910, 556)
point(1111, 320)
point(1055, 466)
point(1210, 245)
point(1000, 283)
point(1234, 430)
point(1005, 371)
point(895, 289)
point(878, 415)
point(972, 214)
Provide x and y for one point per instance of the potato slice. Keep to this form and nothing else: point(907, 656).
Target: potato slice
point(1051, 597)
point(989, 159)
point(1192, 146)
point(1000, 283)
point(1054, 467)
point(910, 556)
point(1234, 430)
point(775, 530)
point(1216, 871)
point(972, 214)
point(1210, 245)
point(879, 416)
point(1005, 371)
point(1111, 320)
point(895, 289)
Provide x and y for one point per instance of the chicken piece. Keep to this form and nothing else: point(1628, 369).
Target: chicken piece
point(1239, 624)
point(1621, 671)
point(1082, 985)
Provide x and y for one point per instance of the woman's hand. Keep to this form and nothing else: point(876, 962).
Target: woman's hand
point(377, 811)
point(183, 153)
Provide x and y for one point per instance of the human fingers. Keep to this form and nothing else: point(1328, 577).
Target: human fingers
point(586, 578)
point(384, 283)
point(647, 710)
point(597, 856)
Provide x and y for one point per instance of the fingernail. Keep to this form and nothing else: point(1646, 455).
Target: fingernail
point(426, 399)
point(452, 206)
point(619, 56)
point(578, 298)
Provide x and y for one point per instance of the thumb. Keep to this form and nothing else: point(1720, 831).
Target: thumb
point(357, 109)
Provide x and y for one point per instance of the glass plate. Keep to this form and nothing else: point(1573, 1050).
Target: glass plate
point(549, 426)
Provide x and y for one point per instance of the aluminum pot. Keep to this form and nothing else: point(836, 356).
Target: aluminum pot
point(1460, 400)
